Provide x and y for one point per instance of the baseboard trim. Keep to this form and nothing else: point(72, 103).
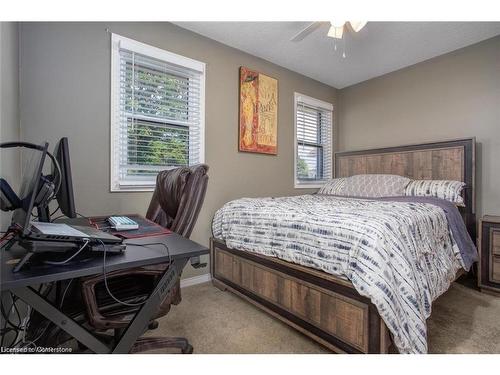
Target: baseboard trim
point(196, 280)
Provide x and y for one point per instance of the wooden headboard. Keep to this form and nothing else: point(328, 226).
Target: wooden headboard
point(443, 160)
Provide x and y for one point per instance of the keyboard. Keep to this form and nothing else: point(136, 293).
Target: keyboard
point(122, 223)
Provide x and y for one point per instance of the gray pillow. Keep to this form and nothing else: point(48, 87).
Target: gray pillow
point(335, 186)
point(444, 189)
point(376, 185)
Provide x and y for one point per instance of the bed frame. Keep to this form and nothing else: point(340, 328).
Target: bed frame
point(325, 307)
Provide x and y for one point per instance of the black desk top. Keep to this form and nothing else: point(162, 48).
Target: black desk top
point(133, 256)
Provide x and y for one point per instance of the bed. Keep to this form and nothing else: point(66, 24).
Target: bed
point(338, 308)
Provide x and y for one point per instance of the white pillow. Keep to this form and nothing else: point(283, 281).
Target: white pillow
point(376, 185)
point(444, 189)
point(335, 186)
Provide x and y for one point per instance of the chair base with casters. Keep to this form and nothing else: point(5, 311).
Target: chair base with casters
point(151, 343)
point(55, 337)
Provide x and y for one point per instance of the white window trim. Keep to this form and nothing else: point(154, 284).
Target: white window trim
point(117, 42)
point(317, 103)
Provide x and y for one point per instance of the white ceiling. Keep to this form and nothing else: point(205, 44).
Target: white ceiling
point(379, 48)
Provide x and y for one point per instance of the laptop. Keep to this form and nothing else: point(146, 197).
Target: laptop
point(69, 233)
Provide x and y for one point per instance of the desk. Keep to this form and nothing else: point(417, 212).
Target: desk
point(21, 284)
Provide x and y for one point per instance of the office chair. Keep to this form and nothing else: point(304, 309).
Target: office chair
point(176, 204)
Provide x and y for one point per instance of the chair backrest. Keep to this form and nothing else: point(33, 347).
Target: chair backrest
point(178, 198)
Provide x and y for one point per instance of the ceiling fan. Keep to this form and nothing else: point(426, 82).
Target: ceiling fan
point(336, 31)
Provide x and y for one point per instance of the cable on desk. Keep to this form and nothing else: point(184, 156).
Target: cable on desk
point(71, 257)
point(105, 275)
point(57, 217)
point(85, 217)
point(53, 212)
point(154, 243)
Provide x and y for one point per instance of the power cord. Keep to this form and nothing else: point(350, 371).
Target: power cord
point(71, 257)
point(57, 217)
point(49, 323)
point(64, 294)
point(105, 273)
point(152, 244)
point(21, 328)
point(23, 342)
point(62, 215)
point(25, 323)
point(6, 316)
point(16, 328)
point(57, 209)
point(85, 217)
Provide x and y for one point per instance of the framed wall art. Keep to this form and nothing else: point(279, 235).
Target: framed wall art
point(258, 122)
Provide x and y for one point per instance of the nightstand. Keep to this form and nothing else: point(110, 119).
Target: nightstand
point(489, 254)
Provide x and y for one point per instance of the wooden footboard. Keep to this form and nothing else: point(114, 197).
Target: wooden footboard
point(324, 307)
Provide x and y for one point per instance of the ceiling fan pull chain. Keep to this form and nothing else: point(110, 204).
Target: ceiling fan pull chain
point(343, 48)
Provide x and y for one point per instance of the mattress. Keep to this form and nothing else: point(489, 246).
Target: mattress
point(401, 255)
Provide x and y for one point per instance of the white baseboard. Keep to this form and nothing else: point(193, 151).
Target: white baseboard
point(196, 280)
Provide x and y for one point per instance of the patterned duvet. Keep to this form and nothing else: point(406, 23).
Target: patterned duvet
point(401, 255)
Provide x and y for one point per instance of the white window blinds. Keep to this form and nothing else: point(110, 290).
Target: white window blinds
point(158, 113)
point(313, 149)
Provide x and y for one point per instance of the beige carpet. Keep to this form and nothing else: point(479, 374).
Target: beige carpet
point(463, 321)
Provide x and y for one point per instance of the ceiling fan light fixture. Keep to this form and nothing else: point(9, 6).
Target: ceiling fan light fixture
point(336, 32)
point(338, 23)
point(357, 25)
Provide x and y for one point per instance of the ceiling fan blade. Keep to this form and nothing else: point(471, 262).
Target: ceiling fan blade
point(305, 32)
point(357, 25)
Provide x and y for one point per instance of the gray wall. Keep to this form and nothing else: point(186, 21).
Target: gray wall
point(9, 107)
point(451, 96)
point(9, 125)
point(65, 91)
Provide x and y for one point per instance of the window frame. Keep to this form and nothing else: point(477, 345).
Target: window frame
point(120, 42)
point(298, 97)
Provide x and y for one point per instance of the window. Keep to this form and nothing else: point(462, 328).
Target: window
point(157, 114)
point(313, 141)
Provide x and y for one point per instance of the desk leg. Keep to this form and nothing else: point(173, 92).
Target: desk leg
point(138, 325)
point(135, 329)
point(67, 324)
